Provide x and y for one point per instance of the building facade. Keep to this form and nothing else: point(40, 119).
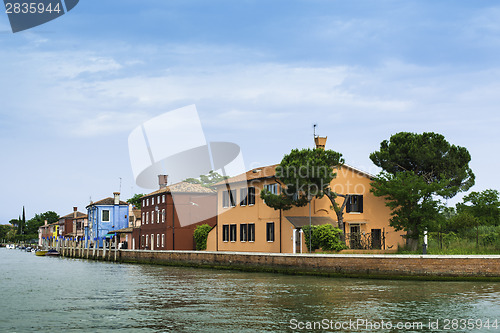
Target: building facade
point(104, 217)
point(245, 223)
point(170, 215)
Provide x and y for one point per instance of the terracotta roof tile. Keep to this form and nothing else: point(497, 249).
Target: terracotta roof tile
point(183, 187)
point(257, 173)
point(270, 171)
point(78, 214)
point(108, 201)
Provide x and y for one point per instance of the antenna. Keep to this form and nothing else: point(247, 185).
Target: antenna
point(314, 130)
point(120, 185)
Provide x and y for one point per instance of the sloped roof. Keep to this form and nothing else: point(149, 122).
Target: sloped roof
point(183, 187)
point(300, 221)
point(137, 213)
point(257, 173)
point(270, 172)
point(108, 202)
point(70, 216)
point(124, 230)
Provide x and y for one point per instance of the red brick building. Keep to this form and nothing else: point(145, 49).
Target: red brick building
point(171, 214)
point(66, 223)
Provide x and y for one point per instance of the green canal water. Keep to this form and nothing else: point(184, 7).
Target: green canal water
point(43, 294)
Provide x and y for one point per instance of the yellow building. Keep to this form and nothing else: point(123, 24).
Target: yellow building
point(245, 223)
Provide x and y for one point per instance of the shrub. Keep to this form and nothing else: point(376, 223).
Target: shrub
point(325, 236)
point(201, 236)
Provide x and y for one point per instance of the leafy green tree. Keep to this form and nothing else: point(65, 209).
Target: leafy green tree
point(38, 220)
point(4, 229)
point(307, 174)
point(485, 206)
point(418, 169)
point(207, 180)
point(12, 234)
point(442, 223)
point(201, 236)
point(136, 200)
point(325, 237)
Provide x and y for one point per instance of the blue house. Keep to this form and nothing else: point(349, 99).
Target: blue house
point(104, 217)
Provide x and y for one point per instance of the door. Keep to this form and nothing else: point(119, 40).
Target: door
point(298, 241)
point(376, 239)
point(355, 237)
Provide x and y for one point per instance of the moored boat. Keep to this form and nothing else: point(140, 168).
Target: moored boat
point(41, 253)
point(52, 253)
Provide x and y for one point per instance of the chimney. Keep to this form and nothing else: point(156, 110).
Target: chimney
point(117, 197)
point(74, 212)
point(162, 180)
point(320, 142)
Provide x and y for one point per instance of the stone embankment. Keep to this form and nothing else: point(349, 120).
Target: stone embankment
point(383, 266)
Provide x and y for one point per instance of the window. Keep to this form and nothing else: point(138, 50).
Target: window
point(232, 196)
point(162, 240)
point(225, 233)
point(163, 199)
point(251, 232)
point(152, 217)
point(251, 196)
point(147, 241)
point(143, 203)
point(163, 215)
point(105, 215)
point(153, 201)
point(142, 241)
point(355, 204)
point(157, 240)
point(229, 198)
point(158, 216)
point(270, 231)
point(243, 196)
point(143, 219)
point(147, 217)
point(272, 188)
point(232, 233)
point(243, 232)
point(147, 202)
point(152, 241)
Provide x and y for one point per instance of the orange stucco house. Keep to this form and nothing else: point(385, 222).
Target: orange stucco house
point(245, 223)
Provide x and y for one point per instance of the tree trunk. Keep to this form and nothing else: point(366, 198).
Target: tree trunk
point(411, 241)
point(339, 212)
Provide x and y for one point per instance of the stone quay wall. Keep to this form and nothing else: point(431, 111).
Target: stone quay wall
point(384, 266)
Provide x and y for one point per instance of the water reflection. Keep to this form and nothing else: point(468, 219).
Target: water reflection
point(61, 294)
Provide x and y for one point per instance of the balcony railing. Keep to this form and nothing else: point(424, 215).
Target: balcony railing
point(365, 241)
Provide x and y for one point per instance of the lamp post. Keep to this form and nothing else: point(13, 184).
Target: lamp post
point(424, 246)
point(309, 198)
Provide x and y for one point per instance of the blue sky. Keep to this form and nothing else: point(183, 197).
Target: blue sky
point(261, 73)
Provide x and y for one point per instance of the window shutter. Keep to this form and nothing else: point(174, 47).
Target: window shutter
point(360, 202)
point(348, 206)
